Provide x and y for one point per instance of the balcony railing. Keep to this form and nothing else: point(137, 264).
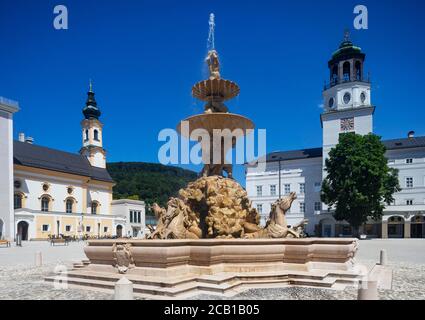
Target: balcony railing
point(345, 80)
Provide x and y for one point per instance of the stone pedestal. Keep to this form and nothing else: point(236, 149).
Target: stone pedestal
point(183, 268)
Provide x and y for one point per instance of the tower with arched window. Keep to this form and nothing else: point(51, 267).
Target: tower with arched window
point(92, 132)
point(347, 105)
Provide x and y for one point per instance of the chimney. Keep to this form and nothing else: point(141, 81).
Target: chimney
point(22, 137)
point(411, 134)
point(29, 140)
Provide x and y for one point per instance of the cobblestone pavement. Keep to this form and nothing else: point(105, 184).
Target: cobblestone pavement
point(27, 283)
point(23, 281)
point(408, 284)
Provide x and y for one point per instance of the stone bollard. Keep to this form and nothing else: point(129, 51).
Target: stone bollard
point(38, 259)
point(123, 289)
point(383, 259)
point(368, 290)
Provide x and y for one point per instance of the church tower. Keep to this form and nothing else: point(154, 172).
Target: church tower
point(347, 97)
point(92, 132)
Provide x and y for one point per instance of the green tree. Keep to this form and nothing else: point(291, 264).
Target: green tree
point(359, 182)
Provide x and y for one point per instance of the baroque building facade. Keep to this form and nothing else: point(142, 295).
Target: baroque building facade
point(52, 192)
point(347, 108)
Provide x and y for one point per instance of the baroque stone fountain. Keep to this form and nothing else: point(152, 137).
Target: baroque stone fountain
point(215, 206)
point(208, 239)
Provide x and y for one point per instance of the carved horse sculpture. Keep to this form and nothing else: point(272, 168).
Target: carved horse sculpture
point(277, 226)
point(173, 223)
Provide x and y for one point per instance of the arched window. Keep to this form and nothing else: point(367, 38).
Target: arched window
point(346, 71)
point(358, 70)
point(69, 205)
point(18, 200)
point(86, 135)
point(96, 135)
point(45, 201)
point(94, 206)
point(334, 75)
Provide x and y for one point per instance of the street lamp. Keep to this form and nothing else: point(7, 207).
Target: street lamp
point(279, 159)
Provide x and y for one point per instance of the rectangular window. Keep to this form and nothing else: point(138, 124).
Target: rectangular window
point(105, 229)
point(287, 188)
point(409, 202)
point(409, 161)
point(259, 191)
point(88, 229)
point(68, 228)
point(317, 186)
point(131, 216)
point(139, 217)
point(259, 208)
point(409, 182)
point(302, 188)
point(302, 207)
point(273, 190)
point(45, 227)
point(317, 206)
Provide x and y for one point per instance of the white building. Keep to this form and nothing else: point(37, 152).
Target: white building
point(347, 108)
point(134, 213)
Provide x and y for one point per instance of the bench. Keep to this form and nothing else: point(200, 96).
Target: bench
point(5, 243)
point(58, 241)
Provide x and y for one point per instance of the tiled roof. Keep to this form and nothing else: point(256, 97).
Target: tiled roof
point(35, 156)
point(404, 143)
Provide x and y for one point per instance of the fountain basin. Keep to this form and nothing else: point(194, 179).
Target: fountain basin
point(215, 89)
point(221, 121)
point(183, 268)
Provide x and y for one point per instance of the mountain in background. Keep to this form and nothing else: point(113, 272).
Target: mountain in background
point(150, 182)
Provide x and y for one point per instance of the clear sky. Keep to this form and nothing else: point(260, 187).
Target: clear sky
point(144, 57)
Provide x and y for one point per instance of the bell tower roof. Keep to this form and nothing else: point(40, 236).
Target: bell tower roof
point(91, 110)
point(347, 50)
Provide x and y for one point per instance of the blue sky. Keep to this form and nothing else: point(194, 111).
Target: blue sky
point(144, 57)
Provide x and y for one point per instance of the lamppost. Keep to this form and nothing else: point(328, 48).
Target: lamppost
point(280, 178)
point(279, 160)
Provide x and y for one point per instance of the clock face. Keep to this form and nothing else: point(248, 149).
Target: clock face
point(347, 124)
point(347, 98)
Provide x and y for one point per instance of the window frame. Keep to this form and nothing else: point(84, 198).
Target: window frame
point(42, 203)
point(259, 208)
point(302, 206)
point(67, 201)
point(21, 199)
point(94, 204)
point(302, 187)
point(259, 191)
point(272, 189)
point(409, 182)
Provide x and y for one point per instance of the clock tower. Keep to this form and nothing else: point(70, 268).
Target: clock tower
point(347, 97)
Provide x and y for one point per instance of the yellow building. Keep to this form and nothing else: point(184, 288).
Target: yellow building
point(62, 193)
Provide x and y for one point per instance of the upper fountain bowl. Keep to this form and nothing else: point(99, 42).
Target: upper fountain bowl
point(215, 89)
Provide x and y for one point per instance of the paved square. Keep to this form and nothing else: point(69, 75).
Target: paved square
point(20, 279)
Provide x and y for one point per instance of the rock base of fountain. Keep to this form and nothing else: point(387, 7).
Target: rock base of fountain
point(183, 268)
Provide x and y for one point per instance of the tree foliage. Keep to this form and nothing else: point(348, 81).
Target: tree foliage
point(149, 182)
point(359, 182)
